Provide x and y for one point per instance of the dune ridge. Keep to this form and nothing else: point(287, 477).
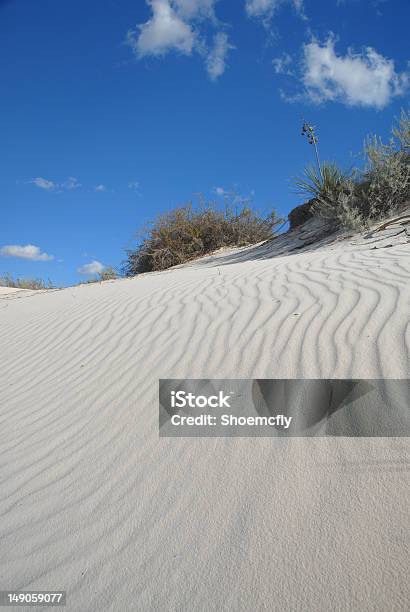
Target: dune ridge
point(94, 502)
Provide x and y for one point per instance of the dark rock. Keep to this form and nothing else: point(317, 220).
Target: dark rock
point(301, 214)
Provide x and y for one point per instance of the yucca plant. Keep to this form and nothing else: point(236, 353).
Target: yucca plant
point(322, 185)
point(332, 189)
point(356, 199)
point(309, 131)
point(333, 192)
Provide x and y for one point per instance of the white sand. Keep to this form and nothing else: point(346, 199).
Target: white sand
point(93, 502)
point(5, 290)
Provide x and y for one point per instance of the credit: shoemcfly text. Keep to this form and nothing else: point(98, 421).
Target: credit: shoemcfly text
point(230, 420)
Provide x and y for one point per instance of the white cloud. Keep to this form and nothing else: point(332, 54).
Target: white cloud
point(43, 183)
point(281, 64)
point(134, 185)
point(71, 183)
point(177, 26)
point(292, 98)
point(94, 267)
point(233, 195)
point(260, 8)
point(194, 9)
point(299, 7)
point(216, 58)
point(165, 31)
point(265, 9)
point(29, 251)
point(365, 79)
point(100, 188)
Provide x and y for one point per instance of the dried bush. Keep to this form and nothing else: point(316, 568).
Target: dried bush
point(386, 180)
point(401, 132)
point(7, 280)
point(188, 232)
point(109, 273)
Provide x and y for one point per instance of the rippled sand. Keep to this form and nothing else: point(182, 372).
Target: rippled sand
point(93, 502)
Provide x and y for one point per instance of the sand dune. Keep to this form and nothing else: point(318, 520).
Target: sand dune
point(94, 502)
point(5, 290)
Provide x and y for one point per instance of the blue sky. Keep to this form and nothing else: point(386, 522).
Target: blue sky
point(115, 110)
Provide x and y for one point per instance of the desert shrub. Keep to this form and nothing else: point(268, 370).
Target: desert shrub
point(7, 280)
point(384, 184)
point(109, 273)
point(355, 199)
point(188, 232)
point(334, 194)
point(386, 179)
point(401, 132)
